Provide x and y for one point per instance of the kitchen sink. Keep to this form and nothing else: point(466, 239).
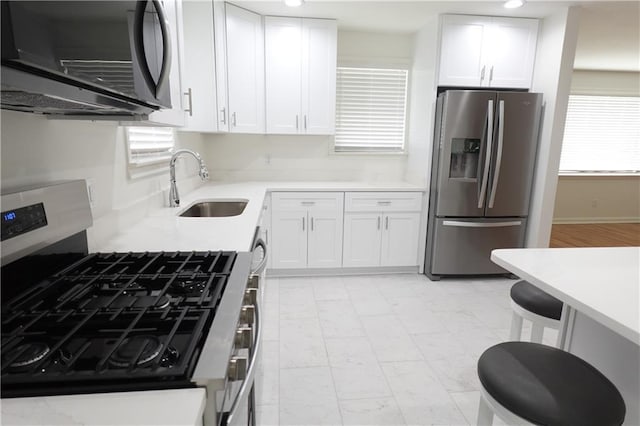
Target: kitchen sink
point(215, 208)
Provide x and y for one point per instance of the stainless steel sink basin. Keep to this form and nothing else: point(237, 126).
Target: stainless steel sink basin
point(215, 209)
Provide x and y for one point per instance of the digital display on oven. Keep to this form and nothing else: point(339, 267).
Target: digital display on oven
point(19, 221)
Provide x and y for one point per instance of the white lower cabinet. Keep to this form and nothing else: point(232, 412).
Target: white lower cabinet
point(381, 229)
point(306, 229)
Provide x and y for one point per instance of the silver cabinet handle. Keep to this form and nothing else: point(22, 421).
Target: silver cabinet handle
point(303, 223)
point(223, 111)
point(233, 119)
point(496, 173)
point(189, 93)
point(487, 157)
point(312, 223)
point(305, 122)
point(386, 222)
point(384, 203)
point(308, 203)
point(491, 74)
point(296, 122)
point(482, 73)
point(247, 384)
point(378, 222)
point(461, 224)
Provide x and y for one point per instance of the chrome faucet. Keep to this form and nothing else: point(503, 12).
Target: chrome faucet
point(174, 198)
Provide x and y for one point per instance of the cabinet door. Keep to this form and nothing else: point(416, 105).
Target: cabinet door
point(289, 239)
point(175, 116)
point(319, 47)
point(324, 239)
point(400, 239)
point(283, 55)
point(245, 70)
point(199, 80)
point(220, 42)
point(362, 238)
point(461, 60)
point(511, 51)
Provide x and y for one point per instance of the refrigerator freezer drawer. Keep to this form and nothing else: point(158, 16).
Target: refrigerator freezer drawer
point(463, 246)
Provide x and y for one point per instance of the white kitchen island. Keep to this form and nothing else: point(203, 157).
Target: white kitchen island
point(600, 288)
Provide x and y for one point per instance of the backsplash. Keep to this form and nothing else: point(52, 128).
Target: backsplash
point(36, 150)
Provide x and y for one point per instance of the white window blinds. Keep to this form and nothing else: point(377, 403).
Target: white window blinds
point(371, 109)
point(149, 145)
point(602, 134)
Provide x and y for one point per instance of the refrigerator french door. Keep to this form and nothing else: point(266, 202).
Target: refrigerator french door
point(483, 162)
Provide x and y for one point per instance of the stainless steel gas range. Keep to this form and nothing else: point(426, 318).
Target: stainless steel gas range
point(74, 322)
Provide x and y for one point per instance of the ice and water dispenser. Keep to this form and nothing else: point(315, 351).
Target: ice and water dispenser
point(465, 153)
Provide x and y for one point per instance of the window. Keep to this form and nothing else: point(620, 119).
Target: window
point(148, 145)
point(602, 135)
point(371, 109)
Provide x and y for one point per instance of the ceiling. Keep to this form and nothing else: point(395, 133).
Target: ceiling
point(608, 38)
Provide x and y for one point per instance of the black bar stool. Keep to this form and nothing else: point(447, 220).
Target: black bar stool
point(530, 303)
point(525, 383)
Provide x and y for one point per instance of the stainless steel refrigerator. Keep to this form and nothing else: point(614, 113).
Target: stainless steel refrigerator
point(482, 171)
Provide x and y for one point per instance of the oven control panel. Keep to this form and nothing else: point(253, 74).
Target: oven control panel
point(24, 219)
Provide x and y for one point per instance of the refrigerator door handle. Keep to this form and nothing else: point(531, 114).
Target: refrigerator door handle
point(487, 157)
point(496, 173)
point(462, 224)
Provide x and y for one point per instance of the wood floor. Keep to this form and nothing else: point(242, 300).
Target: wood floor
point(596, 235)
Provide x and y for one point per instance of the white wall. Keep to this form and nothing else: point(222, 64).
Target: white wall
point(552, 77)
point(36, 150)
point(279, 157)
point(597, 199)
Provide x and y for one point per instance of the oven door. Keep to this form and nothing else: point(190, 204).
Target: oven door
point(113, 47)
point(238, 405)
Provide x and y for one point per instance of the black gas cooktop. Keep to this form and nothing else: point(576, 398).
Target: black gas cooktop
point(110, 322)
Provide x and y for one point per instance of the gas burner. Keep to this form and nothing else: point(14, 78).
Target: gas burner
point(189, 286)
point(30, 353)
point(129, 349)
point(163, 302)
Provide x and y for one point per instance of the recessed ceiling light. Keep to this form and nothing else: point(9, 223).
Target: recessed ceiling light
point(512, 4)
point(293, 3)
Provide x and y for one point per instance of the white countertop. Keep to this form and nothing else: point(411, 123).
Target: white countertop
point(602, 283)
point(161, 407)
point(164, 230)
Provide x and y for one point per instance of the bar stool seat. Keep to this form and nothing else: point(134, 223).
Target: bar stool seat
point(547, 386)
point(533, 304)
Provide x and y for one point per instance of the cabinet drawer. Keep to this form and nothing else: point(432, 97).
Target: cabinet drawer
point(306, 200)
point(383, 201)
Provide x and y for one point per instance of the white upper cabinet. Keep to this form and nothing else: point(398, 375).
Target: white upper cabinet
point(245, 70)
point(300, 61)
point(482, 51)
point(199, 81)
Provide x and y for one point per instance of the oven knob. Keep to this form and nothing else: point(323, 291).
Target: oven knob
point(250, 296)
point(254, 281)
point(237, 369)
point(247, 314)
point(243, 338)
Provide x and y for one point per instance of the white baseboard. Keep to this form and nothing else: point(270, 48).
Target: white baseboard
point(584, 220)
point(319, 272)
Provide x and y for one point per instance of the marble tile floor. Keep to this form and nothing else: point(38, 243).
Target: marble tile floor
point(378, 350)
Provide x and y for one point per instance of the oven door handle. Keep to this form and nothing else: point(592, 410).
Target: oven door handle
point(263, 263)
point(247, 384)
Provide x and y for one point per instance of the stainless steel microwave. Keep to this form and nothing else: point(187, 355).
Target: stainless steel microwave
point(85, 58)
